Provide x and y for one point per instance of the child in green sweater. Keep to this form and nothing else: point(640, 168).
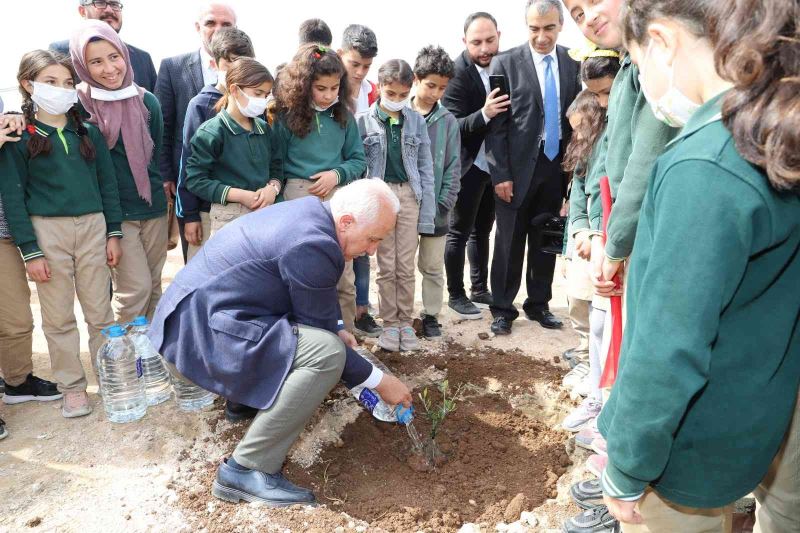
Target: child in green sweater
point(61, 202)
point(234, 162)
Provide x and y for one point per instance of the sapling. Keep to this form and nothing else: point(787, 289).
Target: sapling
point(437, 414)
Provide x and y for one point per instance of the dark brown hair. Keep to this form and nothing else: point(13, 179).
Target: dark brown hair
point(230, 43)
point(30, 66)
point(593, 120)
point(244, 72)
point(594, 68)
point(293, 94)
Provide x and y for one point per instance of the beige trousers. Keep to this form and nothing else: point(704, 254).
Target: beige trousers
point(205, 224)
point(219, 215)
point(297, 188)
point(16, 320)
point(396, 262)
point(430, 263)
point(778, 495)
point(137, 277)
point(662, 516)
point(75, 250)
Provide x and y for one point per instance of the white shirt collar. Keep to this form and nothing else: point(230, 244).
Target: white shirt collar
point(538, 58)
point(205, 58)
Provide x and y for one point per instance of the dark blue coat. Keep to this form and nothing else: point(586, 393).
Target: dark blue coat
point(144, 72)
point(228, 320)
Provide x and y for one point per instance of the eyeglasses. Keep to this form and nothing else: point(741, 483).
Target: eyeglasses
point(102, 4)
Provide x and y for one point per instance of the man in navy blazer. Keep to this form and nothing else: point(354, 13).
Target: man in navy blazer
point(254, 317)
point(181, 78)
point(144, 72)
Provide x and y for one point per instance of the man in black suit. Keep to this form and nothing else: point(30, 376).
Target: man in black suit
point(144, 72)
point(468, 98)
point(180, 78)
point(524, 149)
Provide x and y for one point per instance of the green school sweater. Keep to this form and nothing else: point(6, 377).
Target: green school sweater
point(579, 193)
point(59, 184)
point(133, 207)
point(328, 146)
point(225, 156)
point(709, 368)
point(635, 138)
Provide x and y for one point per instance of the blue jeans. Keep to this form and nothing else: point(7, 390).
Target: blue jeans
point(361, 269)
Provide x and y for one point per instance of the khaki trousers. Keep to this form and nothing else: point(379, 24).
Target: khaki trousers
point(662, 516)
point(317, 367)
point(205, 223)
point(430, 263)
point(297, 188)
point(16, 320)
point(220, 215)
point(75, 250)
point(778, 495)
point(137, 278)
point(396, 280)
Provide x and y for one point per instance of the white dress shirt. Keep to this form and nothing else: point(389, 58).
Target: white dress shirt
point(480, 159)
point(209, 74)
point(538, 62)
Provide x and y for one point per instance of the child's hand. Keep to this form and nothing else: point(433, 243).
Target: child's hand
point(266, 196)
point(583, 245)
point(325, 182)
point(113, 251)
point(38, 270)
point(602, 286)
point(249, 199)
point(5, 135)
point(193, 233)
point(15, 122)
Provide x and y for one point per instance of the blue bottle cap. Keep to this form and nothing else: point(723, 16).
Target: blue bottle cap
point(404, 416)
point(139, 321)
point(114, 331)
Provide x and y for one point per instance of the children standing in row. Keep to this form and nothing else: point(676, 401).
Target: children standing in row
point(398, 151)
point(63, 210)
point(130, 120)
point(433, 71)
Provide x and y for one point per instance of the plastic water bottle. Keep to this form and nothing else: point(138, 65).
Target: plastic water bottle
point(156, 378)
point(190, 397)
point(373, 402)
point(121, 380)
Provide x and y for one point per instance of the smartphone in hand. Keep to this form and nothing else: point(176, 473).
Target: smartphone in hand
point(499, 81)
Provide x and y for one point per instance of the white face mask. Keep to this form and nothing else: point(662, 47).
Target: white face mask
point(255, 106)
point(114, 96)
point(321, 109)
point(394, 107)
point(54, 100)
point(674, 108)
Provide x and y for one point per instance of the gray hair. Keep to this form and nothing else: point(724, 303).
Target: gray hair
point(361, 39)
point(544, 7)
point(365, 200)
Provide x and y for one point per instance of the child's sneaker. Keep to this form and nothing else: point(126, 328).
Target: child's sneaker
point(75, 404)
point(431, 327)
point(587, 494)
point(599, 446)
point(390, 339)
point(408, 339)
point(575, 376)
point(597, 520)
point(583, 388)
point(595, 464)
point(32, 389)
point(366, 326)
point(587, 435)
point(577, 419)
point(3, 431)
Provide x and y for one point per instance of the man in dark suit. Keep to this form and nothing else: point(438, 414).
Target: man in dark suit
point(255, 317)
point(524, 149)
point(468, 98)
point(180, 78)
point(144, 72)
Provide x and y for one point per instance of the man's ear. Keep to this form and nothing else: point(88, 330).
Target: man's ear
point(346, 221)
point(82, 12)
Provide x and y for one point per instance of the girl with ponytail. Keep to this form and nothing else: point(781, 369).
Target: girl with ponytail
point(62, 206)
point(709, 371)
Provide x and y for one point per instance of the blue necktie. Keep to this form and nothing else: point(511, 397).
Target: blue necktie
point(551, 143)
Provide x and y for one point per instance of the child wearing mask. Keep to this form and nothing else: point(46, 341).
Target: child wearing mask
point(62, 207)
point(399, 152)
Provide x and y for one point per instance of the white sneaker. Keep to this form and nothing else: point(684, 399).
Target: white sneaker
point(575, 376)
point(581, 415)
point(583, 388)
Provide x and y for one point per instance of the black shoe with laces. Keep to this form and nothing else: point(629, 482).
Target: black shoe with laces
point(366, 326)
point(32, 389)
point(596, 520)
point(236, 412)
point(431, 327)
point(464, 308)
point(481, 299)
point(501, 326)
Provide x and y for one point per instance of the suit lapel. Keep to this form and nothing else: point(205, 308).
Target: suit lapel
point(473, 73)
point(530, 67)
point(566, 76)
point(196, 71)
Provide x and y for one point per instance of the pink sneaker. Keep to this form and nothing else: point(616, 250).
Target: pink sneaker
point(75, 404)
point(599, 446)
point(596, 464)
point(586, 436)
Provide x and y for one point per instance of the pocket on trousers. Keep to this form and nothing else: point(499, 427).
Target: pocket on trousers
point(224, 323)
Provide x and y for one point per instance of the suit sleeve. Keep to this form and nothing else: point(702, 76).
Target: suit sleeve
point(151, 72)
point(456, 100)
point(497, 140)
point(165, 93)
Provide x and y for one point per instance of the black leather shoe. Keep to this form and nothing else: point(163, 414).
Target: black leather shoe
point(545, 318)
point(501, 326)
point(235, 483)
point(236, 412)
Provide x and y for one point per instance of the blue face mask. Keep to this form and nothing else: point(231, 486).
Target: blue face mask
point(674, 108)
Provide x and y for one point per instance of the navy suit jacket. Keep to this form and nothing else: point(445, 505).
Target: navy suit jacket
point(228, 320)
point(144, 72)
point(180, 79)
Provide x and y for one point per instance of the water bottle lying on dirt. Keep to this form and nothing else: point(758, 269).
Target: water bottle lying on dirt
point(373, 402)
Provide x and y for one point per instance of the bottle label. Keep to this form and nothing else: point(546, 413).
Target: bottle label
point(368, 399)
point(139, 371)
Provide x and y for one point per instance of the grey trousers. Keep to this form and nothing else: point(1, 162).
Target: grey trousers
point(317, 367)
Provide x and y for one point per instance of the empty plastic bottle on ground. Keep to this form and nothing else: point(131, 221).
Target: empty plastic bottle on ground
point(121, 380)
point(156, 378)
point(373, 402)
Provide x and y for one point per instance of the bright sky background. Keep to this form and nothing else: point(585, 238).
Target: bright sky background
point(166, 28)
